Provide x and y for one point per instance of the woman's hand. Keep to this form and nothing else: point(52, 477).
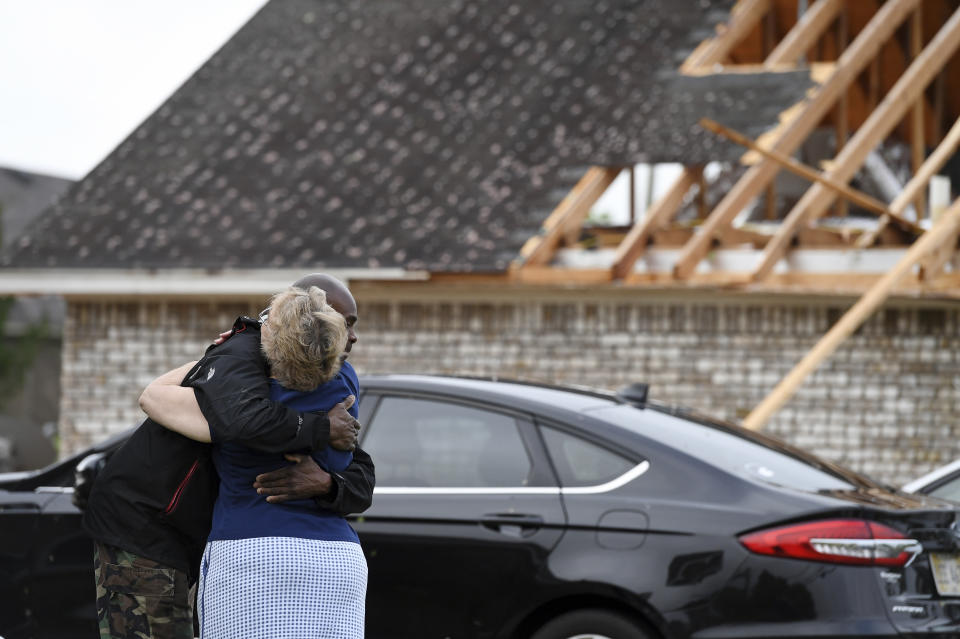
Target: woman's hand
point(174, 406)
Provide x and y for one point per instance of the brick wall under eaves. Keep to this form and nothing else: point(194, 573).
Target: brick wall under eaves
point(885, 403)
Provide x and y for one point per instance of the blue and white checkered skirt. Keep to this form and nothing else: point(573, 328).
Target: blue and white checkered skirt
point(280, 588)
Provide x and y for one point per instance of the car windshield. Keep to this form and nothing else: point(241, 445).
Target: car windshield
point(735, 449)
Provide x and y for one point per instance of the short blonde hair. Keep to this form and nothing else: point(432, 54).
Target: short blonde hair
point(303, 339)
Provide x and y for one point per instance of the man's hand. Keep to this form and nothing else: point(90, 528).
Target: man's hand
point(224, 336)
point(304, 479)
point(343, 427)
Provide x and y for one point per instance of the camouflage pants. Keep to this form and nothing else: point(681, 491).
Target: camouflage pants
point(138, 598)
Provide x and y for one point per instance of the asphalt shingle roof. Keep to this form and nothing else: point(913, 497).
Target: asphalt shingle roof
point(419, 134)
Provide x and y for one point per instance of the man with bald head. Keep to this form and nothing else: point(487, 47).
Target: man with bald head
point(305, 479)
point(149, 511)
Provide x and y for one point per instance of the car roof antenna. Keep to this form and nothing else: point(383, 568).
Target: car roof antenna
point(635, 394)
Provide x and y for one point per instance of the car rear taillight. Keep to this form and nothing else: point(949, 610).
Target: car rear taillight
point(842, 541)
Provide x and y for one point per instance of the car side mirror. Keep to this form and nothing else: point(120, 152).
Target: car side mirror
point(84, 475)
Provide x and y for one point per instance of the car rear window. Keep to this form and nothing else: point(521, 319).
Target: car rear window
point(743, 453)
point(950, 490)
point(582, 463)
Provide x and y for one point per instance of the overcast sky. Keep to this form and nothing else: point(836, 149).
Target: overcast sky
point(77, 77)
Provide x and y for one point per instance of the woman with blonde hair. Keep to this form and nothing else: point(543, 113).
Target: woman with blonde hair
point(290, 569)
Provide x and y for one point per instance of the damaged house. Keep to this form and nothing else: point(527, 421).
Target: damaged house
point(451, 161)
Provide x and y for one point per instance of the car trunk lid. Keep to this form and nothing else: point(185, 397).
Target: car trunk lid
point(923, 596)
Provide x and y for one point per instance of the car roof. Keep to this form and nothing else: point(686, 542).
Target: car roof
point(545, 399)
point(517, 393)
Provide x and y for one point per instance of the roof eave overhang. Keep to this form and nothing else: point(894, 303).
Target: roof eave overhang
point(178, 282)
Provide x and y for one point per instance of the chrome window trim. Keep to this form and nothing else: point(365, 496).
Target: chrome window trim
point(609, 486)
point(61, 490)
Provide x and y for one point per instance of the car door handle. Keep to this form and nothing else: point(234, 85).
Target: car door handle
point(512, 524)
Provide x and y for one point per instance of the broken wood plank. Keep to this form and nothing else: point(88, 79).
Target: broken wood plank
point(918, 182)
point(947, 226)
point(886, 116)
point(798, 168)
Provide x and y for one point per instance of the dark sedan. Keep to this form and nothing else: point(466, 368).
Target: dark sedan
point(512, 511)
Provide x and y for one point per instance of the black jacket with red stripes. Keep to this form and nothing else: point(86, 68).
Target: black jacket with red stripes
point(155, 495)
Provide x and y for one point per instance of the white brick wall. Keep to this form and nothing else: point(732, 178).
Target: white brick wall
point(112, 350)
point(885, 403)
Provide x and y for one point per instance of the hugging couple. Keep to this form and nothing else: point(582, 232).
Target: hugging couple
point(233, 492)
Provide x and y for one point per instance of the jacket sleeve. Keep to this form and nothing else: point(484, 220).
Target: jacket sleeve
point(232, 389)
point(353, 487)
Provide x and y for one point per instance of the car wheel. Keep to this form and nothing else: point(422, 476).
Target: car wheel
point(591, 624)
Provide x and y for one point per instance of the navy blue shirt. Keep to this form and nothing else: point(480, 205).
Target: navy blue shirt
point(240, 513)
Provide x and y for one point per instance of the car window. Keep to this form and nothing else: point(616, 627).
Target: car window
point(950, 490)
point(742, 453)
point(419, 442)
point(582, 463)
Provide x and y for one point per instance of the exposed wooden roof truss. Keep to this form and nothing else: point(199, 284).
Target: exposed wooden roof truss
point(879, 70)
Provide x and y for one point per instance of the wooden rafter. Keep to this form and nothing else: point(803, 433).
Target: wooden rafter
point(946, 227)
point(918, 182)
point(743, 18)
point(884, 118)
point(892, 61)
point(811, 27)
point(839, 97)
point(568, 217)
point(799, 39)
point(659, 214)
point(851, 63)
point(805, 33)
